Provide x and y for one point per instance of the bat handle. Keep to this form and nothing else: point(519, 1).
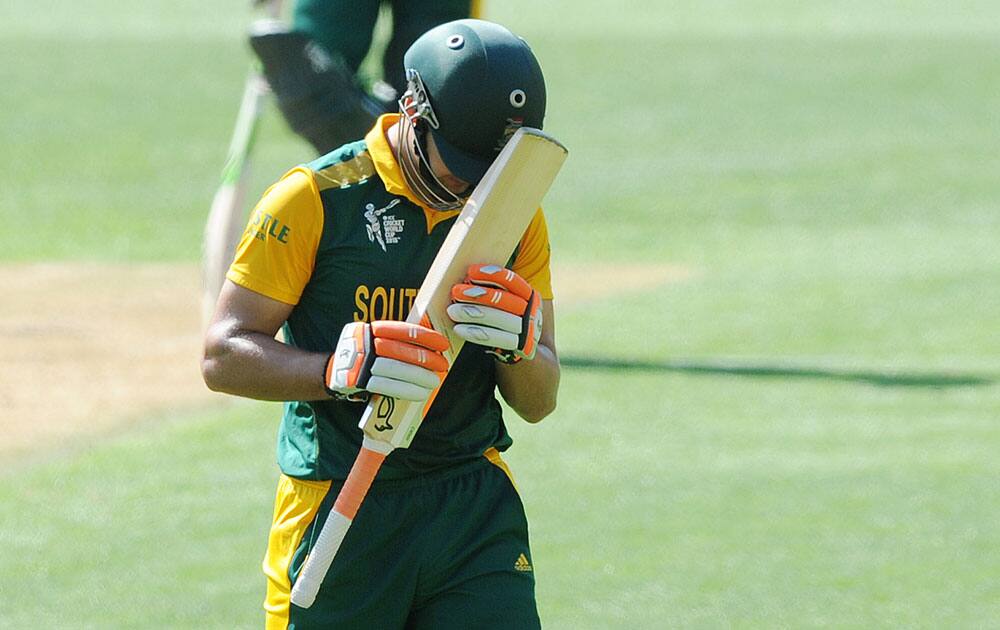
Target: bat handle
point(332, 534)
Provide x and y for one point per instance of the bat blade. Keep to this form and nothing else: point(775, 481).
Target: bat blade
point(487, 231)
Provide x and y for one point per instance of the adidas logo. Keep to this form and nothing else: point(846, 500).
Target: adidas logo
point(522, 564)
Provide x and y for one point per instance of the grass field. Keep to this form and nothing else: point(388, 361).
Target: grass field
point(802, 434)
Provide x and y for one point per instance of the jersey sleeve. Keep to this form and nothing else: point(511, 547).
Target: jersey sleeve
point(275, 257)
point(532, 259)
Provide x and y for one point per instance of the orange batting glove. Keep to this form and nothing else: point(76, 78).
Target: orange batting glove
point(497, 308)
point(385, 357)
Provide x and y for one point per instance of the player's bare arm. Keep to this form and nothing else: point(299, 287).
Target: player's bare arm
point(531, 387)
point(243, 358)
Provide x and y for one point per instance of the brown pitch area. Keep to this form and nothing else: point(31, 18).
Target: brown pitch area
point(85, 347)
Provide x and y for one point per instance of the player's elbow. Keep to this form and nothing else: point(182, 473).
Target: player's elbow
point(212, 374)
point(214, 361)
point(537, 408)
point(532, 393)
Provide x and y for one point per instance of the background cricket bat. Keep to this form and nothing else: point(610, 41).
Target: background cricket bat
point(487, 231)
point(227, 216)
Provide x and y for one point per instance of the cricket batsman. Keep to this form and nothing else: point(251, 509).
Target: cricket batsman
point(333, 255)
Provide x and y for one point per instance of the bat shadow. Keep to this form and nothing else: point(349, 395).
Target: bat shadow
point(884, 378)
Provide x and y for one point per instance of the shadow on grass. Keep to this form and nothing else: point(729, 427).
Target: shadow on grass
point(760, 370)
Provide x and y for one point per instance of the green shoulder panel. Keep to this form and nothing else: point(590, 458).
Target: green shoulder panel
point(348, 165)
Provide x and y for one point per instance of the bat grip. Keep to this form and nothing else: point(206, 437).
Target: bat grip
point(332, 534)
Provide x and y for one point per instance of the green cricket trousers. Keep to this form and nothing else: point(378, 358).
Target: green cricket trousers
point(448, 549)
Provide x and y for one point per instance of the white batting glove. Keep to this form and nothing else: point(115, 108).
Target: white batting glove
point(497, 308)
point(386, 357)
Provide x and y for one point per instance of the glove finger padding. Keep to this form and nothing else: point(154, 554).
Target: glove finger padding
point(486, 336)
point(497, 308)
point(500, 277)
point(390, 377)
point(409, 353)
point(400, 371)
point(485, 316)
point(390, 358)
point(410, 333)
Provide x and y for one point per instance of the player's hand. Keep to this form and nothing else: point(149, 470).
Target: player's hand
point(386, 357)
point(497, 308)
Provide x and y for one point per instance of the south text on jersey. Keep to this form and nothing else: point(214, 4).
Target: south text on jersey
point(372, 303)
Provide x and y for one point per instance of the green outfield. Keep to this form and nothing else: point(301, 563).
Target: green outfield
point(802, 432)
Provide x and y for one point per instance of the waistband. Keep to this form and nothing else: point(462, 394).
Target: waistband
point(428, 478)
point(417, 480)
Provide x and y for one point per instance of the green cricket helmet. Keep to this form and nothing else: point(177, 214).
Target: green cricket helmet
point(475, 83)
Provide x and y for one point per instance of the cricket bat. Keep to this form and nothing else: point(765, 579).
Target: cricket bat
point(227, 216)
point(486, 231)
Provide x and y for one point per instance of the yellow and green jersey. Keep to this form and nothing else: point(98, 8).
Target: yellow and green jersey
point(343, 239)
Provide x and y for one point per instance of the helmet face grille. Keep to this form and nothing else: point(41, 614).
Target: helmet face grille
point(411, 155)
point(415, 104)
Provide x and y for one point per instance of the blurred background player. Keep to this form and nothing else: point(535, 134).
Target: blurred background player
point(312, 66)
point(312, 69)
